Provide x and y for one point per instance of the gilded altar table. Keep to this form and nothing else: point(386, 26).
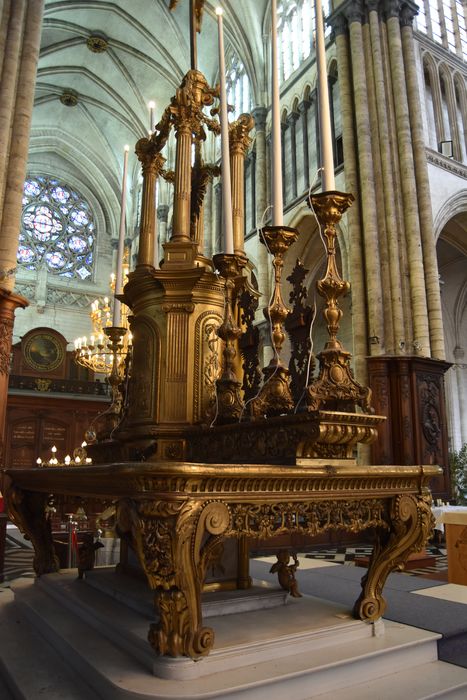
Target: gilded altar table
point(176, 515)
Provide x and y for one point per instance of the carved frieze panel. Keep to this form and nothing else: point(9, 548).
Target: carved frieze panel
point(207, 367)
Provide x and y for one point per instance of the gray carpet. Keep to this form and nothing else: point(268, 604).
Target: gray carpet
point(341, 584)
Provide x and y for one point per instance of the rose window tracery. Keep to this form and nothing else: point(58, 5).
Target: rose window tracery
point(57, 228)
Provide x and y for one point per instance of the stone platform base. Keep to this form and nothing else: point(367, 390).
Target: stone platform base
point(92, 638)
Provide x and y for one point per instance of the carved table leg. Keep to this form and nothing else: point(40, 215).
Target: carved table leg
point(168, 538)
point(27, 510)
point(411, 523)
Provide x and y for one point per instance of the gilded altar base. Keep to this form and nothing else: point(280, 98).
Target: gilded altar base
point(176, 516)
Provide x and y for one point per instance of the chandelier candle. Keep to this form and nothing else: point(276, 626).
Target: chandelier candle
point(225, 156)
point(277, 203)
point(121, 244)
point(325, 131)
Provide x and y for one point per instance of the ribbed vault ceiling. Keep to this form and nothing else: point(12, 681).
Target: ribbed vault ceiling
point(146, 56)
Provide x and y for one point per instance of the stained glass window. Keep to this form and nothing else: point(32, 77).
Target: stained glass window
point(57, 229)
point(444, 22)
point(238, 87)
point(295, 30)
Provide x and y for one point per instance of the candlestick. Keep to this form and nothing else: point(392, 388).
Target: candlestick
point(325, 130)
point(121, 244)
point(225, 157)
point(277, 203)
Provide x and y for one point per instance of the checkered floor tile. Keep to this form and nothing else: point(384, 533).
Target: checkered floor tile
point(347, 555)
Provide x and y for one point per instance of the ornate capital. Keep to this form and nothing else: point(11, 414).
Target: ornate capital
point(338, 22)
point(305, 105)
point(259, 114)
point(354, 11)
point(148, 152)
point(239, 134)
point(408, 13)
point(391, 8)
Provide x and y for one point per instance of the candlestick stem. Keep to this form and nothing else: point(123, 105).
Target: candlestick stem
point(275, 396)
point(230, 403)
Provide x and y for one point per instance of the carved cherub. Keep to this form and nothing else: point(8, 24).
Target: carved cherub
point(286, 572)
point(87, 554)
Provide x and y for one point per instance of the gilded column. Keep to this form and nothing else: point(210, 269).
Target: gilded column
point(239, 142)
point(430, 261)
point(356, 252)
point(151, 164)
point(421, 344)
point(182, 184)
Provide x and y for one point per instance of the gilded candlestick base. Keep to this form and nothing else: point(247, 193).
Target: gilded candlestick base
point(335, 388)
point(229, 400)
point(275, 396)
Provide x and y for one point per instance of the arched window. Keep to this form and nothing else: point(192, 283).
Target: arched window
point(238, 86)
point(444, 22)
point(57, 229)
point(295, 30)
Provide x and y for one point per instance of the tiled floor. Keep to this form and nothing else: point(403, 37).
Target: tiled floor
point(19, 556)
point(347, 555)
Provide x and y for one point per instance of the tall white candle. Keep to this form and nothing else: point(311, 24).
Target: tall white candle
point(152, 115)
point(121, 243)
point(325, 130)
point(225, 155)
point(277, 202)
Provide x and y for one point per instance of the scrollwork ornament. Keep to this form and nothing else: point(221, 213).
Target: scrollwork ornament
point(411, 523)
point(6, 332)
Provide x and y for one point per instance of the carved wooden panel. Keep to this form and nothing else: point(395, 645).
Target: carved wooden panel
point(410, 392)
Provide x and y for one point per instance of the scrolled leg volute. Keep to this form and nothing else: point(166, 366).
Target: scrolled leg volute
point(27, 510)
point(410, 524)
point(169, 538)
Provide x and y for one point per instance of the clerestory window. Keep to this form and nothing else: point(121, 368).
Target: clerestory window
point(295, 31)
point(238, 86)
point(57, 229)
point(444, 22)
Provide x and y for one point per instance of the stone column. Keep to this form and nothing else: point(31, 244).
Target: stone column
point(259, 115)
point(367, 181)
point(239, 142)
point(163, 219)
point(388, 184)
point(20, 32)
point(21, 52)
point(303, 108)
point(292, 121)
point(430, 261)
point(356, 253)
point(461, 375)
point(421, 344)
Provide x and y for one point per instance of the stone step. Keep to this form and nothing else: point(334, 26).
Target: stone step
point(240, 667)
point(29, 666)
point(434, 680)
